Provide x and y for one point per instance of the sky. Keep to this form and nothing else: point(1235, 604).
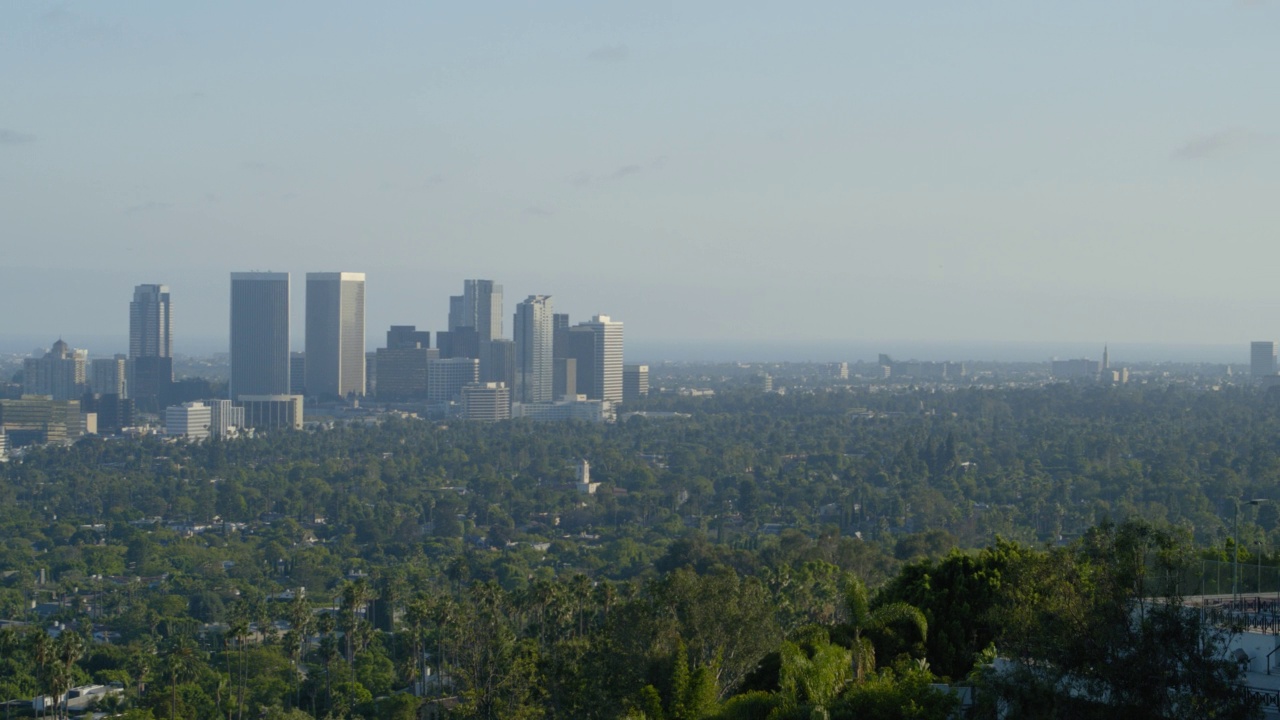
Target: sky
point(783, 175)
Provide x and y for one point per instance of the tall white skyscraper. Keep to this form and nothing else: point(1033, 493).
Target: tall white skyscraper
point(534, 333)
point(335, 359)
point(259, 334)
point(479, 306)
point(150, 322)
point(605, 380)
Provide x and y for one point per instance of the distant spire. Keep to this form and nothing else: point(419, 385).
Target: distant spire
point(1106, 361)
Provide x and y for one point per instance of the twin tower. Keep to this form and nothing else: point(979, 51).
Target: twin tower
point(335, 361)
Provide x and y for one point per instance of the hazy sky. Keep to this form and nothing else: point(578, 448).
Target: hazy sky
point(704, 171)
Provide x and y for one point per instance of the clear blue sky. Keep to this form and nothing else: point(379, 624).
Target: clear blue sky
point(704, 171)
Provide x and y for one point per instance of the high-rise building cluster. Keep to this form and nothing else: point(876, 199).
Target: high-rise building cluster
point(549, 369)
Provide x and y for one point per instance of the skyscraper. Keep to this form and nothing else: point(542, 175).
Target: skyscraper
point(259, 334)
point(150, 322)
point(534, 335)
point(479, 306)
point(335, 334)
point(601, 377)
point(1262, 358)
point(150, 366)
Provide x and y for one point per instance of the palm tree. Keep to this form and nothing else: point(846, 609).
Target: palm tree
point(355, 596)
point(70, 647)
point(863, 620)
point(180, 665)
point(239, 629)
point(301, 621)
point(42, 653)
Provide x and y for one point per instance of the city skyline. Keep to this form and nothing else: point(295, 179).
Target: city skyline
point(837, 172)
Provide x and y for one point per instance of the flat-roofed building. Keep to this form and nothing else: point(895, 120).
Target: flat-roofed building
point(335, 334)
point(635, 382)
point(272, 412)
point(189, 420)
point(568, 408)
point(259, 334)
point(109, 376)
point(1262, 358)
point(447, 376)
point(486, 402)
point(225, 418)
point(39, 419)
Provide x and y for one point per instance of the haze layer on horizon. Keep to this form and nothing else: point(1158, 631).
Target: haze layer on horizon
point(709, 173)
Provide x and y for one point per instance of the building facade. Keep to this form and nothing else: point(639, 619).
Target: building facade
point(109, 376)
point(486, 402)
point(191, 420)
point(480, 307)
point(259, 334)
point(447, 376)
point(61, 373)
point(150, 322)
point(635, 382)
point(604, 379)
point(335, 334)
point(534, 334)
point(1262, 358)
point(271, 412)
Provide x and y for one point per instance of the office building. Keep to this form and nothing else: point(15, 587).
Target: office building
point(1262, 358)
point(534, 334)
point(480, 307)
point(4, 445)
point(271, 412)
point(486, 402)
point(498, 362)
point(150, 366)
point(635, 382)
point(461, 343)
point(39, 419)
point(599, 374)
point(150, 382)
point(259, 334)
point(447, 376)
point(564, 377)
point(575, 361)
point(575, 407)
point(150, 322)
point(109, 376)
point(114, 412)
point(297, 373)
point(189, 420)
point(402, 372)
point(840, 370)
point(61, 373)
point(335, 334)
point(225, 418)
point(408, 336)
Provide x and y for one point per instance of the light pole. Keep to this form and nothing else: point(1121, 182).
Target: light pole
point(1235, 551)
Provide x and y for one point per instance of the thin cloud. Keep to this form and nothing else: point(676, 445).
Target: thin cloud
point(624, 171)
point(13, 137)
point(1218, 143)
point(583, 179)
point(538, 211)
point(609, 54)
